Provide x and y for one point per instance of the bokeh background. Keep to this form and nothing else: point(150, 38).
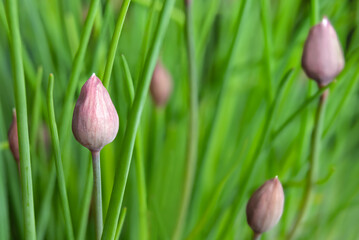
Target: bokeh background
point(238, 149)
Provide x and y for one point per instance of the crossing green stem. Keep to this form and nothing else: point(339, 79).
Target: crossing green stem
point(122, 170)
point(313, 163)
point(57, 154)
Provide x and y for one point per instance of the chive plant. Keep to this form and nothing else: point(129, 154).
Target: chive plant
point(200, 103)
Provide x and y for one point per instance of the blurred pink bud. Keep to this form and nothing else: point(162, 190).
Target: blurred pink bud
point(265, 207)
point(13, 137)
point(95, 120)
point(322, 58)
point(161, 85)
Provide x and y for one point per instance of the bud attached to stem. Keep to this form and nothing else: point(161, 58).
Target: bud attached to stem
point(265, 207)
point(95, 120)
point(161, 85)
point(322, 58)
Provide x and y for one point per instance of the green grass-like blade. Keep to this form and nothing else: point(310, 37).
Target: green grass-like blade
point(57, 154)
point(22, 121)
point(120, 223)
point(4, 203)
point(114, 42)
point(206, 172)
point(192, 138)
point(133, 123)
point(86, 201)
point(300, 109)
point(140, 170)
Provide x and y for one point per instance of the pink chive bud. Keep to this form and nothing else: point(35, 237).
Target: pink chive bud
point(161, 85)
point(322, 58)
point(95, 120)
point(13, 137)
point(265, 207)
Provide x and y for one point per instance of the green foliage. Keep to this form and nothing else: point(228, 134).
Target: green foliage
point(256, 112)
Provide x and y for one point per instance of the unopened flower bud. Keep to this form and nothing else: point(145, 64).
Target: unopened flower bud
point(95, 120)
point(161, 85)
point(322, 58)
point(13, 137)
point(265, 207)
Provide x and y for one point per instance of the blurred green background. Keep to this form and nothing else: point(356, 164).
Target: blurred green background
point(237, 147)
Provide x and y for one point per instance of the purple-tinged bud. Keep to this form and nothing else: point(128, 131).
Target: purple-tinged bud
point(13, 137)
point(161, 85)
point(322, 58)
point(265, 207)
point(95, 120)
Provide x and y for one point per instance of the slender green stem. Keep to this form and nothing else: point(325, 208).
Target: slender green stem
point(45, 210)
point(266, 26)
point(22, 121)
point(57, 153)
point(349, 90)
point(36, 107)
point(140, 170)
point(146, 39)
point(4, 202)
point(314, 14)
point(313, 163)
point(74, 77)
point(133, 123)
point(96, 165)
point(120, 223)
point(177, 15)
point(192, 142)
point(86, 201)
point(114, 42)
point(300, 109)
point(206, 28)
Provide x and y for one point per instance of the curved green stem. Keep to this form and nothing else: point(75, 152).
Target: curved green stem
point(120, 223)
point(59, 169)
point(300, 109)
point(192, 141)
point(96, 165)
point(122, 170)
point(22, 121)
point(114, 42)
point(313, 163)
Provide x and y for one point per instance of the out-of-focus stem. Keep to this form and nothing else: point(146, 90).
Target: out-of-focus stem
point(313, 163)
point(193, 124)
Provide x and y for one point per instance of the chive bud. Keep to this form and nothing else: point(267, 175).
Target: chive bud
point(13, 137)
point(161, 85)
point(265, 207)
point(322, 58)
point(95, 120)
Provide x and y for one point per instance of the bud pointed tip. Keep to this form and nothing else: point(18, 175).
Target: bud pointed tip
point(325, 21)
